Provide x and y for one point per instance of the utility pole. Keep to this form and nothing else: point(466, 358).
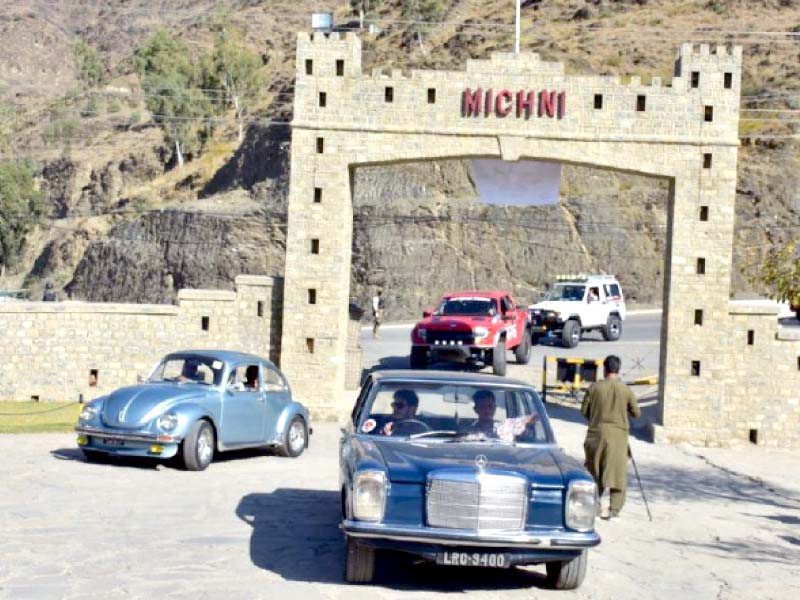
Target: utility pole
point(516, 39)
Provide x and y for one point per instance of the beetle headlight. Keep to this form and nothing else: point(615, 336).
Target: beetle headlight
point(480, 333)
point(581, 506)
point(369, 495)
point(88, 413)
point(422, 333)
point(167, 421)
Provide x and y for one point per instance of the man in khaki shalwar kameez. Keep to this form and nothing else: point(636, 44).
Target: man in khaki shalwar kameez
point(606, 406)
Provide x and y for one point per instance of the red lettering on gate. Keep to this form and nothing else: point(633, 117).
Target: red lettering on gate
point(471, 103)
point(547, 103)
point(503, 96)
point(551, 104)
point(525, 102)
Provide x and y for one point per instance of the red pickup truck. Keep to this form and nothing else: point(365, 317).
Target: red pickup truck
point(472, 327)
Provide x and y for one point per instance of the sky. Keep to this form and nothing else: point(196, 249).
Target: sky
point(521, 183)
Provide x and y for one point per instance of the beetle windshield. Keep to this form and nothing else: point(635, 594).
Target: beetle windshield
point(455, 412)
point(566, 293)
point(467, 306)
point(188, 368)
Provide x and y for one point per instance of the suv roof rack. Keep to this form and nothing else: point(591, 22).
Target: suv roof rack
point(583, 277)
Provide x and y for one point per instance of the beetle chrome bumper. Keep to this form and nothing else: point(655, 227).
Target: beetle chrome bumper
point(147, 438)
point(554, 540)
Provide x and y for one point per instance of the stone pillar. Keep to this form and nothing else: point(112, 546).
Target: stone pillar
point(317, 276)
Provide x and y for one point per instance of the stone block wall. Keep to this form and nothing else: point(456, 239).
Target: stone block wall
point(49, 349)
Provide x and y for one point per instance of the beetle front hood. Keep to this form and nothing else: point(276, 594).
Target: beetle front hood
point(410, 461)
point(131, 407)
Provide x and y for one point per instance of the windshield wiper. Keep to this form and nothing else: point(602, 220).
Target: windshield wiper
point(448, 432)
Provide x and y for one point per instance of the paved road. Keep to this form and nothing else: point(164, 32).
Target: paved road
point(260, 526)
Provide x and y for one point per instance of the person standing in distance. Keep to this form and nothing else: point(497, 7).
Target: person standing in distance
point(606, 406)
point(377, 313)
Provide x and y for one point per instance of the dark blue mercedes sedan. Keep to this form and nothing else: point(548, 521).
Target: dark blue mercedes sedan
point(461, 469)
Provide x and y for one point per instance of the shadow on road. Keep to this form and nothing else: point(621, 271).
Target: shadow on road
point(295, 534)
point(175, 462)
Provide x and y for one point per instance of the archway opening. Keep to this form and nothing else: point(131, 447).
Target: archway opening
point(422, 229)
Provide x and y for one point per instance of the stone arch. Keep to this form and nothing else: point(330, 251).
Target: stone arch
point(662, 131)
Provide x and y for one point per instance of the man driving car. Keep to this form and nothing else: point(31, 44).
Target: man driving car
point(404, 407)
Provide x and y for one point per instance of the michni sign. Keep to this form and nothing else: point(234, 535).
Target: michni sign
point(524, 103)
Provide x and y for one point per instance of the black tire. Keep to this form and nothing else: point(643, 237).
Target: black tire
point(499, 358)
point(522, 353)
point(534, 339)
point(612, 330)
point(93, 456)
point(419, 357)
point(567, 574)
point(198, 446)
point(797, 314)
point(359, 563)
point(295, 438)
point(571, 334)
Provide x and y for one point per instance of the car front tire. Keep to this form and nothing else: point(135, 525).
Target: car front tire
point(295, 440)
point(612, 329)
point(567, 574)
point(198, 446)
point(359, 565)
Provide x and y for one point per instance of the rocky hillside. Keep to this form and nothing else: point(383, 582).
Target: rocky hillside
point(123, 223)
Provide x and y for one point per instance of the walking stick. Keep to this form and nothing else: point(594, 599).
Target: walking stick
point(641, 488)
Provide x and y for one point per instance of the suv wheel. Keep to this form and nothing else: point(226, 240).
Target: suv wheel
point(613, 328)
point(571, 334)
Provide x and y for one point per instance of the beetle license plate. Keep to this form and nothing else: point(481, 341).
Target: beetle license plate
point(474, 559)
point(114, 442)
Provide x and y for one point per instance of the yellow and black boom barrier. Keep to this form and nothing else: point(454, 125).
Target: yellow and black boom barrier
point(571, 374)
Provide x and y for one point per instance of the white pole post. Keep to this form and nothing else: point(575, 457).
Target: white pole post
point(516, 39)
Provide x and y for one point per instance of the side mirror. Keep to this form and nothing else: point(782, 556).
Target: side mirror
point(426, 314)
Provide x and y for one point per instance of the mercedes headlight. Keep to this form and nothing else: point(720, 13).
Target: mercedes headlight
point(167, 421)
point(369, 495)
point(581, 506)
point(88, 413)
point(422, 333)
point(480, 332)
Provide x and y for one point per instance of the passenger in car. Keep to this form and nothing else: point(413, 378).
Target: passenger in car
point(485, 406)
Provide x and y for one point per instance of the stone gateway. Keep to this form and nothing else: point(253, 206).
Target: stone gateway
point(715, 386)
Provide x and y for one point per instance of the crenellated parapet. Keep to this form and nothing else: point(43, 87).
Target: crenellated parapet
point(516, 93)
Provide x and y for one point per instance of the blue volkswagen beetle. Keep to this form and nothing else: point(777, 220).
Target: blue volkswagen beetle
point(193, 404)
point(461, 469)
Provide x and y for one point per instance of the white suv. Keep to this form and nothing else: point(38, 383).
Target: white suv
point(576, 304)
